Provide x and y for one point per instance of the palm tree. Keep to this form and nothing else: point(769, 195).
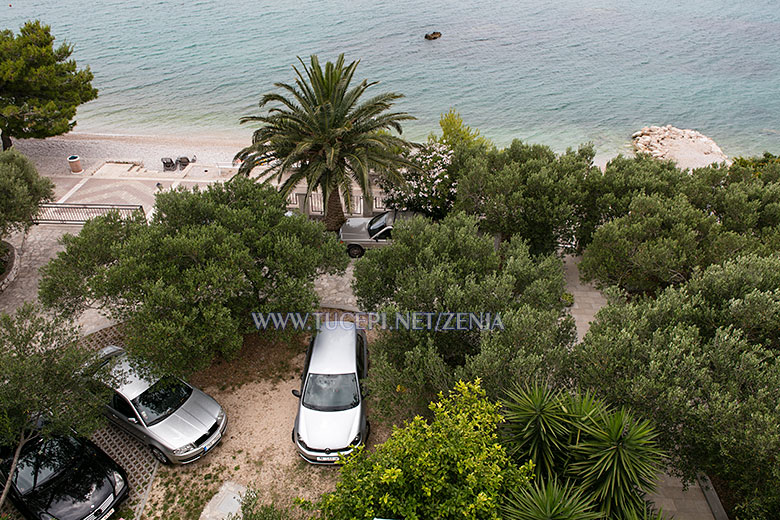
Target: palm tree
point(322, 133)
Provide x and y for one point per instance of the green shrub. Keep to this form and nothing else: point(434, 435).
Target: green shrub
point(549, 500)
point(525, 191)
point(701, 362)
point(659, 243)
point(611, 457)
point(452, 467)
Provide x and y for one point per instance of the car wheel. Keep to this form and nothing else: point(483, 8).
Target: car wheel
point(160, 456)
point(355, 251)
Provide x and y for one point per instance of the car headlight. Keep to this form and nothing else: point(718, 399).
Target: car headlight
point(357, 439)
point(300, 441)
point(221, 416)
point(184, 449)
point(119, 482)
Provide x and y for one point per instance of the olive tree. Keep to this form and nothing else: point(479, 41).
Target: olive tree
point(187, 282)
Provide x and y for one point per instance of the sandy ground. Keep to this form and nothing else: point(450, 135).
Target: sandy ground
point(50, 155)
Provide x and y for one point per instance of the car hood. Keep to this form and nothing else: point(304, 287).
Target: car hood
point(355, 228)
point(191, 421)
point(329, 430)
point(78, 491)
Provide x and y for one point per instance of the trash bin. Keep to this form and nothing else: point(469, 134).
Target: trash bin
point(75, 164)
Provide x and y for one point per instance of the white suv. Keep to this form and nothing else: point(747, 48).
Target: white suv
point(331, 416)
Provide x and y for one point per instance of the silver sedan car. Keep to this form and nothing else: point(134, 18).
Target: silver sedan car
point(359, 234)
point(177, 421)
point(331, 416)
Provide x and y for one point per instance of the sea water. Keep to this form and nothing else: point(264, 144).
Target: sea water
point(561, 72)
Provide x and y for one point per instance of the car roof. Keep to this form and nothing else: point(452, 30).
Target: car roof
point(131, 383)
point(333, 351)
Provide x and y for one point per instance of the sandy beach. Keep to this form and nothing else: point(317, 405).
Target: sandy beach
point(50, 155)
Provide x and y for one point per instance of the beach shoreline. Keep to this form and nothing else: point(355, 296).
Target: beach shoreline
point(50, 155)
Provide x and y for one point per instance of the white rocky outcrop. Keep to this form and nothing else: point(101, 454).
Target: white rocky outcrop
point(688, 148)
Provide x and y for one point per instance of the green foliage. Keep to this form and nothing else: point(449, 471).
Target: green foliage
point(610, 456)
point(757, 164)
point(42, 387)
point(549, 500)
point(40, 86)
point(321, 133)
point(451, 467)
point(188, 282)
point(455, 133)
point(22, 191)
point(525, 190)
point(428, 187)
point(617, 461)
point(450, 267)
point(701, 361)
point(607, 195)
point(538, 427)
point(660, 242)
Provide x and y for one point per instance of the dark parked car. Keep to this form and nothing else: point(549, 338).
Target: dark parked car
point(64, 478)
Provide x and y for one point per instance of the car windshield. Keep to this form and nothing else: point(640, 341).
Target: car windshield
point(43, 459)
point(377, 224)
point(161, 399)
point(331, 392)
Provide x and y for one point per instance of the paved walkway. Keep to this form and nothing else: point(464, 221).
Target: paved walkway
point(669, 496)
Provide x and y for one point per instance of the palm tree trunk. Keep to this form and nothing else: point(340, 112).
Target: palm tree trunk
point(6, 142)
point(334, 213)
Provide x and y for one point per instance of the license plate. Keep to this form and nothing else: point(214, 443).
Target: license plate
point(328, 459)
point(110, 512)
point(210, 445)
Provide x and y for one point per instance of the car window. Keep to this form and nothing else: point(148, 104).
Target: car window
point(331, 392)
point(161, 399)
point(43, 459)
point(121, 405)
point(384, 234)
point(376, 224)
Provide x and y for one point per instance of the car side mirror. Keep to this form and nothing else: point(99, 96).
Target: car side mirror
point(296, 393)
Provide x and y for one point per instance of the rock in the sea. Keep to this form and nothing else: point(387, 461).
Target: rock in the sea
point(435, 35)
point(688, 148)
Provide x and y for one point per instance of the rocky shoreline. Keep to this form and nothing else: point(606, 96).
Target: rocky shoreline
point(688, 148)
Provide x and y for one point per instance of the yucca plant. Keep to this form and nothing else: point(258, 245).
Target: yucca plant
point(585, 410)
point(538, 427)
point(617, 461)
point(549, 501)
point(321, 132)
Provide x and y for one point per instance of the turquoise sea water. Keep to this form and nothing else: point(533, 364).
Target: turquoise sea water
point(561, 72)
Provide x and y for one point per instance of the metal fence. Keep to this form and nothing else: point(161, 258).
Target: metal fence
point(55, 213)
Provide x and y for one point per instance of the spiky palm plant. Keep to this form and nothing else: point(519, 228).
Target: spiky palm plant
point(321, 133)
point(549, 501)
point(618, 461)
point(537, 427)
